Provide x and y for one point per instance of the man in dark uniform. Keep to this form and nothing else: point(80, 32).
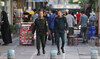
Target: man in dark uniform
point(41, 27)
point(59, 30)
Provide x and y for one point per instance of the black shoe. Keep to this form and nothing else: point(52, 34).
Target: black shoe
point(5, 44)
point(52, 43)
point(62, 50)
point(38, 54)
point(58, 53)
point(43, 51)
point(10, 42)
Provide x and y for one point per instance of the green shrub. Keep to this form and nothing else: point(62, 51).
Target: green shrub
point(12, 28)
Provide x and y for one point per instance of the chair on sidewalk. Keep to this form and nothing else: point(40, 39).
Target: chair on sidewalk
point(96, 40)
point(73, 40)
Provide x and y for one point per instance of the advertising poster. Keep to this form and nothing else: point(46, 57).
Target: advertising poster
point(26, 37)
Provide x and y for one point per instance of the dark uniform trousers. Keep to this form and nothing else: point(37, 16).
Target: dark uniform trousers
point(58, 34)
point(41, 27)
point(40, 39)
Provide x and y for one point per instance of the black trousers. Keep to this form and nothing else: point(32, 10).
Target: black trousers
point(84, 33)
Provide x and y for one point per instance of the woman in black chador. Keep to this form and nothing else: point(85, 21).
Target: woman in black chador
point(5, 29)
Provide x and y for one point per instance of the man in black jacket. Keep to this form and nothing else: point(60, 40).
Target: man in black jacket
point(59, 30)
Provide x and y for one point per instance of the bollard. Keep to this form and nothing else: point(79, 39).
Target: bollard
point(94, 54)
point(11, 54)
point(53, 54)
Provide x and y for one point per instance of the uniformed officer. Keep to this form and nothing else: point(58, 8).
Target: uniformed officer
point(59, 30)
point(41, 27)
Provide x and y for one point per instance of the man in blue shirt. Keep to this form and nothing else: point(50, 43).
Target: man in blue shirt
point(83, 22)
point(51, 26)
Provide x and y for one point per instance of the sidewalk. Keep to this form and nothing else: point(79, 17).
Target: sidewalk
point(82, 51)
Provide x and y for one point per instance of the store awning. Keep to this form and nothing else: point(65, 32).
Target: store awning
point(30, 12)
point(38, 0)
point(67, 6)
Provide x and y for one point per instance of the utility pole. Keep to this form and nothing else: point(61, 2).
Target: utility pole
point(0, 3)
point(98, 17)
point(10, 11)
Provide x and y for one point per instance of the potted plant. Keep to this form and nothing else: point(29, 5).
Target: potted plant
point(12, 28)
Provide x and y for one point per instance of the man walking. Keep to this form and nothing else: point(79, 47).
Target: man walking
point(59, 31)
point(83, 22)
point(78, 14)
point(41, 27)
point(70, 20)
point(35, 15)
point(51, 26)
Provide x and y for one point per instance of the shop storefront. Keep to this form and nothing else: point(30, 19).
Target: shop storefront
point(6, 5)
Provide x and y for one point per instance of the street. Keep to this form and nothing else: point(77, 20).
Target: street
point(82, 51)
point(21, 20)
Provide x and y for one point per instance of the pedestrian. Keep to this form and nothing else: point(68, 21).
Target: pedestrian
point(83, 22)
point(46, 17)
point(51, 26)
point(78, 14)
point(92, 19)
point(70, 19)
point(5, 29)
point(26, 17)
point(35, 15)
point(0, 20)
point(30, 18)
point(41, 27)
point(49, 13)
point(64, 13)
point(59, 31)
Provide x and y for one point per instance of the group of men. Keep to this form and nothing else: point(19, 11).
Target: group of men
point(56, 24)
point(57, 29)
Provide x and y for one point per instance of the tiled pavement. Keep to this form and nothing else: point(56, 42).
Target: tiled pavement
point(82, 51)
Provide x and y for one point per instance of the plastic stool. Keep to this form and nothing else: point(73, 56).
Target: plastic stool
point(71, 40)
point(96, 40)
